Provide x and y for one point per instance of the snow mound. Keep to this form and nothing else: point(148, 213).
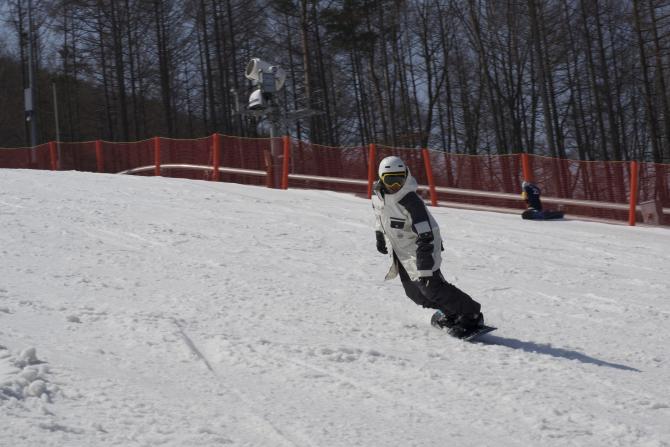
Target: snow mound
point(24, 376)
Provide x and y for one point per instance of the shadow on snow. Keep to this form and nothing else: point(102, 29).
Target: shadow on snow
point(547, 349)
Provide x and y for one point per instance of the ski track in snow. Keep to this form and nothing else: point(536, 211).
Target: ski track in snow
point(153, 311)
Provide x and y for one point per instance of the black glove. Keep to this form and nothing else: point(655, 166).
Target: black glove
point(425, 280)
point(381, 243)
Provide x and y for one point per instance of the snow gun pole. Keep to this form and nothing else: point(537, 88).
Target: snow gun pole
point(633, 192)
point(276, 148)
point(157, 156)
point(429, 175)
point(216, 154)
point(371, 168)
point(285, 165)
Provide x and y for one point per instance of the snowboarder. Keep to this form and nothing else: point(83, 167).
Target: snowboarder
point(531, 195)
point(404, 223)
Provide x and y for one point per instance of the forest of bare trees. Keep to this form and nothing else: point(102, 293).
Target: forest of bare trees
point(584, 79)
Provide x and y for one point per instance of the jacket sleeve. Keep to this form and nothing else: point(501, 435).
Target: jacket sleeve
point(378, 214)
point(421, 226)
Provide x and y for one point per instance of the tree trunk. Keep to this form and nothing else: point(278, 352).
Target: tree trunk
point(117, 42)
point(648, 90)
point(164, 64)
point(542, 77)
point(214, 122)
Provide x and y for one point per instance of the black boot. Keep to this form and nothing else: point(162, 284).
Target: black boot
point(442, 320)
point(465, 325)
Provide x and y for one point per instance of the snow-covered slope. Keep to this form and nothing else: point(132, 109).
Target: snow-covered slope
point(154, 311)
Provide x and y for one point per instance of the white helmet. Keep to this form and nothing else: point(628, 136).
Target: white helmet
point(392, 173)
point(392, 164)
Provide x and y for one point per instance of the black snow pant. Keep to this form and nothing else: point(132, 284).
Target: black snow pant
point(437, 293)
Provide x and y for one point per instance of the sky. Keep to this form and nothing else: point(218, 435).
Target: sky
point(139, 311)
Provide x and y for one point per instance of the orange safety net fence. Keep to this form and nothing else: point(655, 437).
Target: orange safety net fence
point(597, 181)
point(484, 173)
point(308, 161)
point(588, 188)
point(191, 152)
point(655, 183)
point(78, 157)
point(251, 154)
point(26, 158)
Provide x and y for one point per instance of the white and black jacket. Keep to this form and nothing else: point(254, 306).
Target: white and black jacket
point(410, 230)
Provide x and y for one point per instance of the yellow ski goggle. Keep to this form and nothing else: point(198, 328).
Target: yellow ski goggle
point(394, 180)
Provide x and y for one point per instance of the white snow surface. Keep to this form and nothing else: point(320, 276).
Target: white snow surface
point(141, 311)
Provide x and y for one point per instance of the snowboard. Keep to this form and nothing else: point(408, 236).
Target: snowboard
point(473, 336)
point(531, 214)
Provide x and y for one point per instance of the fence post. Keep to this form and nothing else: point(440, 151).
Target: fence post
point(371, 168)
point(99, 159)
point(526, 168)
point(633, 192)
point(429, 175)
point(216, 155)
point(52, 155)
point(285, 166)
point(157, 156)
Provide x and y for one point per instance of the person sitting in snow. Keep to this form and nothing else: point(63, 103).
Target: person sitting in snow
point(531, 195)
point(404, 223)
